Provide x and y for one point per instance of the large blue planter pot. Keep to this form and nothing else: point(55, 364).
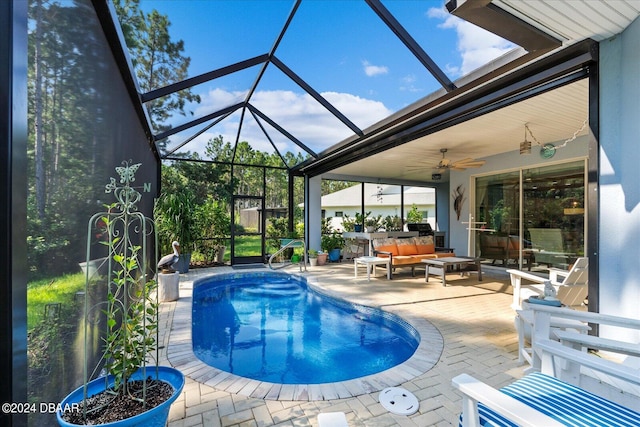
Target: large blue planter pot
point(334, 255)
point(155, 417)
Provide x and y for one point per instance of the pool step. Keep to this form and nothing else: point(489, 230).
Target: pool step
point(275, 289)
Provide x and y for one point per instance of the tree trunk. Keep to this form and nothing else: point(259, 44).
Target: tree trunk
point(38, 127)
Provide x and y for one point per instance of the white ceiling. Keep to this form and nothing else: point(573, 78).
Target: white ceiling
point(575, 20)
point(553, 116)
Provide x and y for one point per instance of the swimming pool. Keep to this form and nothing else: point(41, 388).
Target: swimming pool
point(273, 327)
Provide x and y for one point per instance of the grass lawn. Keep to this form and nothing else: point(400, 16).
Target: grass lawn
point(42, 292)
point(248, 245)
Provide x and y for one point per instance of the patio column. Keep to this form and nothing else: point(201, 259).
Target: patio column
point(13, 215)
point(314, 212)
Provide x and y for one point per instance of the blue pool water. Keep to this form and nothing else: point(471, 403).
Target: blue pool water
point(271, 326)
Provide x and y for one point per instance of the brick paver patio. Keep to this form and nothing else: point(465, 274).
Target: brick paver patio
point(474, 318)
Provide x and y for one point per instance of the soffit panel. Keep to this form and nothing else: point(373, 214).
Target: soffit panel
point(552, 116)
point(577, 19)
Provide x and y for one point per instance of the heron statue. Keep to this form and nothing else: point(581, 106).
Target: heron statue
point(167, 262)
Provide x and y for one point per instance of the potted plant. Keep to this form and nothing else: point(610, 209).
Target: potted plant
point(414, 215)
point(372, 224)
point(313, 257)
point(360, 220)
point(133, 391)
point(322, 258)
point(332, 244)
point(392, 223)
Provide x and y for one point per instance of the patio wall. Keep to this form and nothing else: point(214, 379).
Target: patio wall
point(619, 224)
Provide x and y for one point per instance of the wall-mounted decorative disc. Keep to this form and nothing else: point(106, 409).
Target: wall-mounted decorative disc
point(547, 151)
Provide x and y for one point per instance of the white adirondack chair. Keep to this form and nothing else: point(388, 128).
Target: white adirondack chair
point(571, 286)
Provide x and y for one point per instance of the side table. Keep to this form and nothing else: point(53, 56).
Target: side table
point(370, 262)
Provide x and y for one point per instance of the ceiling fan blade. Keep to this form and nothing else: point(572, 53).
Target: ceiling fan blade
point(469, 163)
point(467, 160)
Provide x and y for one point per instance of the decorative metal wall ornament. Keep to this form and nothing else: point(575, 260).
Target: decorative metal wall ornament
point(547, 151)
point(458, 200)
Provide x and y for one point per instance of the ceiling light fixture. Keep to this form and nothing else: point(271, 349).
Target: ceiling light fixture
point(525, 146)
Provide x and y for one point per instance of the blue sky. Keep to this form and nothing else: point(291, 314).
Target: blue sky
point(340, 47)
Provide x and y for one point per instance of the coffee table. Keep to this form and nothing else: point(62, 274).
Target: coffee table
point(371, 262)
point(440, 266)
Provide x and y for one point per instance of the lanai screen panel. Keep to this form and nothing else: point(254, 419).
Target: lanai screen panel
point(322, 72)
point(82, 125)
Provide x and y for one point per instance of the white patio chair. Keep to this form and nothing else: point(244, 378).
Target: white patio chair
point(571, 289)
point(571, 286)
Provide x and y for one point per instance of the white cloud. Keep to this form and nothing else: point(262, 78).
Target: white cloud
point(217, 99)
point(298, 113)
point(408, 83)
point(476, 46)
point(374, 70)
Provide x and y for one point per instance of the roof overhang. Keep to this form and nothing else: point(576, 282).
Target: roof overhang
point(486, 15)
point(466, 102)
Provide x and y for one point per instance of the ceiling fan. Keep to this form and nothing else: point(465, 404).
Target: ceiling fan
point(459, 165)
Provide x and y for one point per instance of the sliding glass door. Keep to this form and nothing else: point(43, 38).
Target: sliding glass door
point(532, 218)
point(554, 214)
point(498, 217)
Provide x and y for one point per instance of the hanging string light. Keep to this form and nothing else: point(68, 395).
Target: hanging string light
point(547, 150)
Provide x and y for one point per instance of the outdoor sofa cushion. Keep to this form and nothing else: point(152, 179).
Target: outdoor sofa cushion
point(408, 251)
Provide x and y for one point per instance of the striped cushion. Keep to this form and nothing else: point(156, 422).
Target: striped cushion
point(564, 402)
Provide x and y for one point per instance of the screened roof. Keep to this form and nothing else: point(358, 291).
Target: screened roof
point(301, 76)
point(336, 81)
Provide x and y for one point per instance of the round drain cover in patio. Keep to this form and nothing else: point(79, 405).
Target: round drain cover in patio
point(398, 401)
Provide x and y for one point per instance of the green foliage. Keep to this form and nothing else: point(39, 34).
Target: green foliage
point(348, 223)
point(331, 241)
point(71, 136)
point(175, 217)
point(414, 215)
point(325, 226)
point(276, 229)
point(158, 60)
point(374, 222)
point(213, 224)
point(131, 311)
point(329, 186)
point(392, 223)
point(500, 215)
point(132, 315)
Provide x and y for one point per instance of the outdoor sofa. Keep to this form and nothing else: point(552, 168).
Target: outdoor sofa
point(408, 251)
